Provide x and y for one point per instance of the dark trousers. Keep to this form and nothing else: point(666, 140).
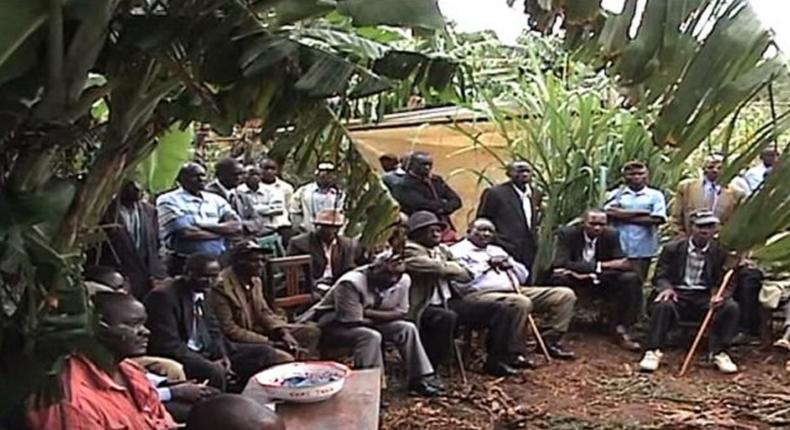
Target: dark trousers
point(200, 368)
point(505, 325)
point(622, 289)
point(246, 360)
point(748, 282)
point(641, 266)
point(692, 306)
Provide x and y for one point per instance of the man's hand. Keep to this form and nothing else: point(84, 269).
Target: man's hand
point(716, 302)
point(565, 272)
point(225, 363)
point(191, 392)
point(668, 295)
point(290, 342)
point(619, 264)
point(499, 263)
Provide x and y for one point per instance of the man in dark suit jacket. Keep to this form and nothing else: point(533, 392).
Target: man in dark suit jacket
point(688, 270)
point(332, 254)
point(588, 257)
point(513, 207)
point(132, 244)
point(183, 328)
point(420, 190)
point(230, 173)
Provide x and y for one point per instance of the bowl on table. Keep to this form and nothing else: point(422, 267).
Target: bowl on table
point(303, 382)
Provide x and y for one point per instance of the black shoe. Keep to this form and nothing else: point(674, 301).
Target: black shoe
point(498, 368)
point(521, 362)
point(435, 381)
point(421, 387)
point(556, 351)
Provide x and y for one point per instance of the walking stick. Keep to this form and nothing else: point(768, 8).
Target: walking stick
point(531, 320)
point(457, 352)
point(724, 283)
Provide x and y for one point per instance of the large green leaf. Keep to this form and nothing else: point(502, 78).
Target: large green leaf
point(403, 13)
point(158, 172)
point(19, 19)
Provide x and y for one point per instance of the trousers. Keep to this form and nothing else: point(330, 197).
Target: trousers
point(623, 289)
point(692, 305)
point(366, 341)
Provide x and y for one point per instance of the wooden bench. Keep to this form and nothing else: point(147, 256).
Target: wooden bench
point(294, 290)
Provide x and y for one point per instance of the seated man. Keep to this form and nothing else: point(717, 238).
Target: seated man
point(233, 412)
point(588, 257)
point(439, 309)
point(183, 329)
point(687, 272)
point(497, 278)
point(368, 305)
point(332, 254)
point(243, 315)
point(93, 395)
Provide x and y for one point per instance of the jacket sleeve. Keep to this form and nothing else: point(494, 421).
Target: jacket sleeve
point(411, 199)
point(451, 202)
point(662, 278)
point(563, 255)
point(487, 208)
point(419, 262)
point(223, 311)
point(164, 327)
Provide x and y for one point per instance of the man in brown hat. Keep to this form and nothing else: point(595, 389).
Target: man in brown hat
point(332, 253)
point(243, 315)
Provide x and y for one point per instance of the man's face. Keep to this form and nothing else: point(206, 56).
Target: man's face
point(702, 234)
point(520, 173)
point(430, 236)
point(594, 223)
point(327, 233)
point(269, 171)
point(421, 165)
point(636, 178)
point(325, 178)
point(769, 158)
point(194, 178)
point(252, 178)
point(232, 176)
point(482, 233)
point(389, 274)
point(203, 279)
point(130, 193)
point(250, 264)
point(123, 330)
point(711, 170)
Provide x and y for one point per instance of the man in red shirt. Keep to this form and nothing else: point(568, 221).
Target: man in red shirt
point(116, 396)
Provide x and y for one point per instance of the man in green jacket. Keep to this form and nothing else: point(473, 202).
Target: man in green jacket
point(437, 308)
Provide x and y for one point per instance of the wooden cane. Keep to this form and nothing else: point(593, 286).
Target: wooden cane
point(456, 351)
point(532, 325)
point(724, 283)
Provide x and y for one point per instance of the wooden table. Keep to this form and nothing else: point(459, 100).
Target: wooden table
point(355, 407)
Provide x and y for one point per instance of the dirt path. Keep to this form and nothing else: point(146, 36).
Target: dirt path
point(603, 390)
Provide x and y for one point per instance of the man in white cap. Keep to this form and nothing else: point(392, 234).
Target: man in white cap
point(321, 194)
point(688, 271)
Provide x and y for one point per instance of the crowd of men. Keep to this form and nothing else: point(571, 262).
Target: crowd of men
point(182, 309)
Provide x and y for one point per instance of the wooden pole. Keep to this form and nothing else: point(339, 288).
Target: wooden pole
point(705, 322)
point(532, 325)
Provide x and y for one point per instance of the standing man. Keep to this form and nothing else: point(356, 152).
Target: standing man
point(636, 211)
point(756, 175)
point(131, 227)
point(514, 207)
point(368, 305)
point(269, 196)
point(184, 328)
point(322, 194)
point(243, 315)
point(497, 277)
point(230, 173)
point(115, 394)
point(704, 194)
point(392, 176)
point(194, 221)
point(438, 308)
point(588, 258)
point(687, 272)
point(419, 190)
point(332, 254)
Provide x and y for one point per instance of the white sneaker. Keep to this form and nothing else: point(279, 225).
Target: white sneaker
point(650, 361)
point(724, 363)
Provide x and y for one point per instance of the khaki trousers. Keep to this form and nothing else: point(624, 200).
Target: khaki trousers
point(557, 302)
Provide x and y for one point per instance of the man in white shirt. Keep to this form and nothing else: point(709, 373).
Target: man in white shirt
point(310, 199)
point(756, 175)
point(270, 196)
point(497, 277)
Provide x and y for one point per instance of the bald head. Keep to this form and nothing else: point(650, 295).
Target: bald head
point(233, 412)
point(192, 177)
point(519, 173)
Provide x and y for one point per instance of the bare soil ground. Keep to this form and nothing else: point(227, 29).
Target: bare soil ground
point(603, 389)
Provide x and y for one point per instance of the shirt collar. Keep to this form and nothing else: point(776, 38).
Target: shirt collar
point(589, 240)
point(198, 296)
point(526, 193)
point(629, 190)
point(189, 195)
point(694, 248)
point(709, 183)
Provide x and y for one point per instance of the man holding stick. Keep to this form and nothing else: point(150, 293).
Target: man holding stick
point(688, 270)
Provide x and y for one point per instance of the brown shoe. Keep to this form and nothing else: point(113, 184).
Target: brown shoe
point(627, 343)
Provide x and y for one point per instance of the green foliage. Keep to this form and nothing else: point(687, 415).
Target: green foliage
point(157, 173)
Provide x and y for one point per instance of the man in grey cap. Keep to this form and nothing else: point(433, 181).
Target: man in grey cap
point(688, 271)
point(368, 305)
